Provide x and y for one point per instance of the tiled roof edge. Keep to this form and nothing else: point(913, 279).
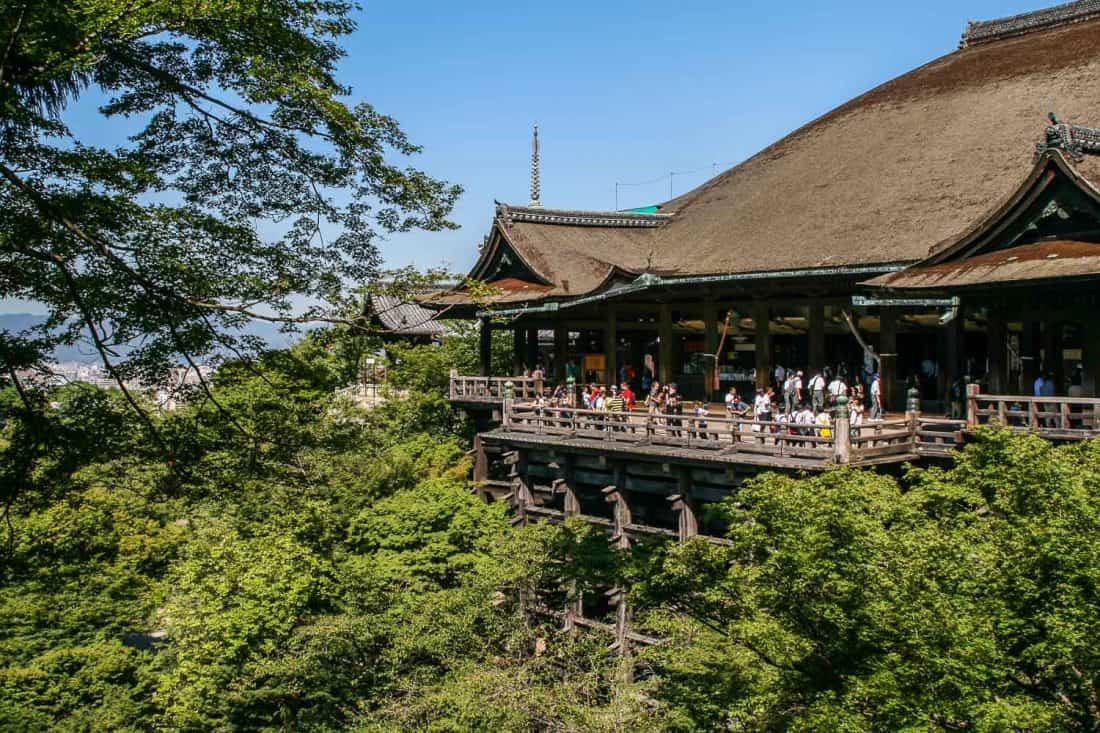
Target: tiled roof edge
point(532, 215)
point(989, 31)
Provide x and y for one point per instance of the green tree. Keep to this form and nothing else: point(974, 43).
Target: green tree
point(242, 130)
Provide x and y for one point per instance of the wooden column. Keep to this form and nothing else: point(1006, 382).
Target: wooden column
point(1090, 359)
point(481, 467)
point(561, 352)
point(951, 346)
point(519, 349)
point(611, 346)
point(684, 507)
point(574, 604)
point(997, 351)
point(1052, 353)
point(1029, 355)
point(761, 324)
point(710, 346)
point(485, 348)
point(531, 355)
point(664, 355)
point(888, 354)
point(816, 319)
point(620, 538)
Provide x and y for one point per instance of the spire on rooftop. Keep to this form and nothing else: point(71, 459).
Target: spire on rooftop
point(535, 203)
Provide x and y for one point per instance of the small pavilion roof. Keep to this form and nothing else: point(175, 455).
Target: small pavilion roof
point(402, 318)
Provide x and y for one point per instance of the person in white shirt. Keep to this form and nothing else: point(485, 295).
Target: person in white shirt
point(817, 392)
point(837, 388)
point(761, 409)
point(876, 397)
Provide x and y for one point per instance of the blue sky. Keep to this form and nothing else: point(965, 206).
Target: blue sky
point(621, 91)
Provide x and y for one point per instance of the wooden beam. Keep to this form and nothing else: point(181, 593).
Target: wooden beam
point(816, 319)
point(997, 351)
point(1090, 357)
point(531, 355)
point(710, 346)
point(664, 357)
point(561, 351)
point(519, 349)
point(485, 347)
point(611, 346)
point(888, 355)
point(761, 324)
point(1029, 354)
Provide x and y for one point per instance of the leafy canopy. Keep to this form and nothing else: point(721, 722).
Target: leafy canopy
point(249, 185)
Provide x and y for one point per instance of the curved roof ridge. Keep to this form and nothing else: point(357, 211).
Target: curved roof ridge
point(988, 31)
point(508, 213)
point(878, 93)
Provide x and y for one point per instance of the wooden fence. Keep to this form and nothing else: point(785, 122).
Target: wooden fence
point(492, 389)
point(840, 442)
point(1054, 417)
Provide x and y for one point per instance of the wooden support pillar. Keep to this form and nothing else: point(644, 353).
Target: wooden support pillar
point(519, 349)
point(531, 355)
point(816, 318)
point(761, 324)
point(684, 507)
point(522, 496)
point(485, 348)
point(1090, 359)
point(664, 355)
point(574, 603)
point(561, 352)
point(620, 538)
point(1029, 355)
point(951, 346)
point(888, 355)
point(1052, 353)
point(710, 346)
point(997, 351)
point(611, 346)
point(481, 467)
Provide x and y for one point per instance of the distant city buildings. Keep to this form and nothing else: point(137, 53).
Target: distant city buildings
point(168, 393)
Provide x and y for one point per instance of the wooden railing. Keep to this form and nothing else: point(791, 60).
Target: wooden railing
point(492, 389)
point(938, 436)
point(838, 443)
point(1056, 417)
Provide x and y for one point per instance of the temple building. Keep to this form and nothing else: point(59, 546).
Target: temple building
point(944, 223)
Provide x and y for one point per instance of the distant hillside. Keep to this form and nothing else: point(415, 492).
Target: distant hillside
point(17, 322)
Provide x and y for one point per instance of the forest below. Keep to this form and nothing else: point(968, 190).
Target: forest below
point(272, 558)
point(302, 565)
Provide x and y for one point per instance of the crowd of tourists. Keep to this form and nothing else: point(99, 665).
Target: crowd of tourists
point(790, 403)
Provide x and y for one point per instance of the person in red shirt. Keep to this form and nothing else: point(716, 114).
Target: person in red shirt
point(628, 395)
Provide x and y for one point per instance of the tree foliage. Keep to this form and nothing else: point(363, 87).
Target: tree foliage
point(317, 568)
point(248, 183)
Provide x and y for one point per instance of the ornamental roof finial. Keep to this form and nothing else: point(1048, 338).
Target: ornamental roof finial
point(535, 203)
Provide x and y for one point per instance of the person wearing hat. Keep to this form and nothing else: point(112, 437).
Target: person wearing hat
point(876, 397)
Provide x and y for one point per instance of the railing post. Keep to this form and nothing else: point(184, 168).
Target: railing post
point(453, 386)
point(912, 405)
point(842, 435)
point(913, 414)
point(972, 392)
point(509, 398)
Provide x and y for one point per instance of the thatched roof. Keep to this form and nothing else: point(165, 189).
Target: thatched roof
point(1035, 236)
point(881, 180)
